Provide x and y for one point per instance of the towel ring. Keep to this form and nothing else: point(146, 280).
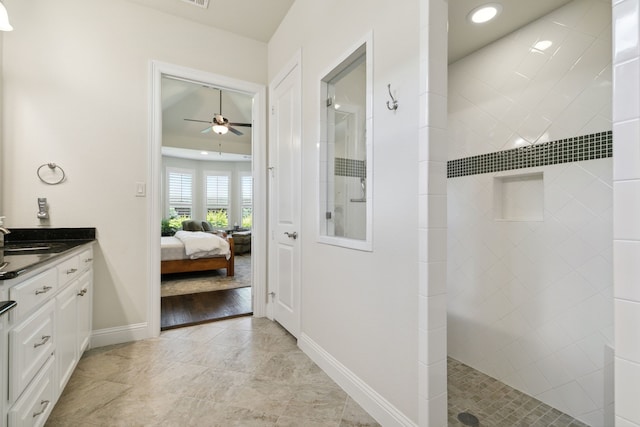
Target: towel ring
point(53, 167)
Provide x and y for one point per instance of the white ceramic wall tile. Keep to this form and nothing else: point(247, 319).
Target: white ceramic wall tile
point(626, 269)
point(530, 302)
point(432, 242)
point(592, 346)
point(592, 22)
point(576, 400)
point(628, 338)
point(625, 42)
point(627, 103)
point(626, 205)
point(626, 150)
point(627, 384)
point(621, 422)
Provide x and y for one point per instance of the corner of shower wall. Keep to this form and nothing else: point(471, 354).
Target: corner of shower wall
point(432, 205)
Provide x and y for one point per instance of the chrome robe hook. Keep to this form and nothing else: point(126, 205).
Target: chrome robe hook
point(393, 105)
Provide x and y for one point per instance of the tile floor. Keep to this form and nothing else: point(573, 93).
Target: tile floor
point(238, 372)
point(249, 372)
point(496, 404)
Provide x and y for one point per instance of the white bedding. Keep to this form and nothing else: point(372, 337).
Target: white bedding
point(193, 245)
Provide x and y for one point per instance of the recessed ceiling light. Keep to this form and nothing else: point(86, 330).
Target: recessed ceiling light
point(484, 13)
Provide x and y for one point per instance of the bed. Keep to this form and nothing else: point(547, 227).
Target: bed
point(184, 253)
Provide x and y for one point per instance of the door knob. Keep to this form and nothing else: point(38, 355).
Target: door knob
point(293, 235)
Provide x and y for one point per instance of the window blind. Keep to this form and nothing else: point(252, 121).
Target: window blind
point(180, 192)
point(217, 190)
point(246, 189)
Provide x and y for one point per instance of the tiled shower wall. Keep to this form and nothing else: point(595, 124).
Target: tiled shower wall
point(626, 131)
point(530, 301)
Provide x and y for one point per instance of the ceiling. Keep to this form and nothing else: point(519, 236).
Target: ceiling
point(465, 37)
point(189, 100)
point(255, 19)
point(259, 19)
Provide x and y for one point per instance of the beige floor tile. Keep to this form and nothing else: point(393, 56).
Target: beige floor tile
point(83, 396)
point(355, 416)
point(238, 372)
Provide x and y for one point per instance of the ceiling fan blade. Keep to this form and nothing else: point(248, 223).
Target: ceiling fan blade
point(201, 121)
point(241, 124)
point(235, 131)
point(206, 130)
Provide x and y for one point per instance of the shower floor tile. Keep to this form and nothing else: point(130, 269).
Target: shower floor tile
point(495, 404)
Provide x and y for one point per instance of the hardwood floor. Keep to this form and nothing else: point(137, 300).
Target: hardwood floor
point(193, 309)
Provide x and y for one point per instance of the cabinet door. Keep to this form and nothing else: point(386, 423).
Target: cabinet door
point(30, 345)
point(4, 366)
point(35, 405)
point(66, 328)
point(85, 301)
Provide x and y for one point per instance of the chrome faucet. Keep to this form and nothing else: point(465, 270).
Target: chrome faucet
point(3, 231)
point(43, 210)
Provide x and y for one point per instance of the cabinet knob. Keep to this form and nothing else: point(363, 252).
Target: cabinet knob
point(82, 292)
point(72, 270)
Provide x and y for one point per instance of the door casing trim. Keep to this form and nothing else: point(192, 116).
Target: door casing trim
point(154, 199)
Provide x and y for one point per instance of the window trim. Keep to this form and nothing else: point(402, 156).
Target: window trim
point(229, 206)
point(182, 171)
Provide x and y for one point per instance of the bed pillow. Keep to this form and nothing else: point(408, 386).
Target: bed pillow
point(191, 225)
point(206, 226)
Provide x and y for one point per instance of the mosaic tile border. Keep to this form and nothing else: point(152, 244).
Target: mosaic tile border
point(586, 147)
point(350, 167)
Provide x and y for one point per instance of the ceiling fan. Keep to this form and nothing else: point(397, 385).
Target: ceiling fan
point(220, 124)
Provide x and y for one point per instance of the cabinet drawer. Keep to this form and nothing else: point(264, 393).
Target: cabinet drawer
point(30, 344)
point(86, 259)
point(33, 293)
point(68, 270)
point(35, 405)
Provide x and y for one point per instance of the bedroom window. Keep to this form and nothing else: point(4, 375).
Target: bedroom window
point(217, 198)
point(180, 185)
point(246, 190)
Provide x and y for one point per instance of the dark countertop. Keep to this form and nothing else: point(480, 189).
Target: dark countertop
point(28, 248)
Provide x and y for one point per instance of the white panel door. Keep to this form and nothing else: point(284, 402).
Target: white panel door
point(285, 174)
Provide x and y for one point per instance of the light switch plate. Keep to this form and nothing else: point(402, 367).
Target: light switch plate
point(141, 189)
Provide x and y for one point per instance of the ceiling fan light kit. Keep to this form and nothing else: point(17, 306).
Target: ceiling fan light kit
point(220, 129)
point(220, 124)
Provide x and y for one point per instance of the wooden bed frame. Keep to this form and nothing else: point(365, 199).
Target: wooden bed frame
point(200, 264)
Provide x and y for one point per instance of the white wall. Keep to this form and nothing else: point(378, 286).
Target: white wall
point(76, 92)
point(626, 193)
point(530, 301)
point(361, 307)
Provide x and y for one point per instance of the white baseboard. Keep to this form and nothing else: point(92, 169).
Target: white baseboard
point(118, 335)
point(370, 400)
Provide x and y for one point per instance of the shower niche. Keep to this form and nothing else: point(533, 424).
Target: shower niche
point(519, 197)
point(345, 151)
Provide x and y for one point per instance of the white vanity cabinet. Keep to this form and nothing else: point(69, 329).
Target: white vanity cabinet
point(47, 333)
point(73, 314)
point(4, 356)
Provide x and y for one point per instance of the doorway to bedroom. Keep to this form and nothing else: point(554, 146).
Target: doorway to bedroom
point(206, 195)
